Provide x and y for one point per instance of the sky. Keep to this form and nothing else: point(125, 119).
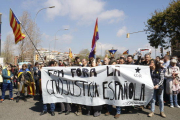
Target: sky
point(116, 18)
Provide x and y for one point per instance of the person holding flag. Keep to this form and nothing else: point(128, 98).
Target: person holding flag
point(94, 40)
point(24, 80)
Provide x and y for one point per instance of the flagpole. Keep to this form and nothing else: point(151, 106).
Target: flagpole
point(32, 42)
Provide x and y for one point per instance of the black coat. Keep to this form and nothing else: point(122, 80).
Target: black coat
point(156, 78)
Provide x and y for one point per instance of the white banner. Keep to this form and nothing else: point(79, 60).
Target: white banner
point(119, 85)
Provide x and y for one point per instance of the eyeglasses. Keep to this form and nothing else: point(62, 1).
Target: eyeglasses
point(23, 66)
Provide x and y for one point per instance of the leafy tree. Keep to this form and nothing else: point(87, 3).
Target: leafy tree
point(84, 53)
point(164, 26)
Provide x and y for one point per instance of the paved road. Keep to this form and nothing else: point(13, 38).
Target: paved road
point(30, 110)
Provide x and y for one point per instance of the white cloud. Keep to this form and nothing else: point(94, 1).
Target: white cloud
point(85, 11)
point(122, 31)
point(27, 3)
point(49, 41)
point(112, 15)
point(65, 38)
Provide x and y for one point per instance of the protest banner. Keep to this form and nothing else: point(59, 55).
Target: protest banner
point(119, 85)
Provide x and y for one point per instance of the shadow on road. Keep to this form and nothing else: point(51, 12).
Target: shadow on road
point(38, 106)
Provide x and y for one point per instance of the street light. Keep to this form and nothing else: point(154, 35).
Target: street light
point(127, 35)
point(40, 10)
point(35, 23)
point(0, 32)
point(57, 39)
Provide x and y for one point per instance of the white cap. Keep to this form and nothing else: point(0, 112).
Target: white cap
point(174, 61)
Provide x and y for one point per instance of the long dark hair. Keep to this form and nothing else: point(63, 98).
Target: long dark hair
point(157, 66)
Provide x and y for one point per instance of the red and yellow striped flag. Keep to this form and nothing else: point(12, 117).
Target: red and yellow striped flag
point(15, 25)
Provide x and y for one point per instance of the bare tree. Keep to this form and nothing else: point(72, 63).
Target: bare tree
point(26, 48)
point(8, 49)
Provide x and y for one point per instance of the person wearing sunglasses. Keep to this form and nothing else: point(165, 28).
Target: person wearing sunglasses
point(7, 82)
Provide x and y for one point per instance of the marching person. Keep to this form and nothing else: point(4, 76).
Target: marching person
point(77, 62)
point(15, 73)
point(64, 106)
point(61, 63)
point(157, 78)
point(130, 60)
point(97, 109)
point(118, 108)
point(78, 106)
point(166, 61)
point(98, 62)
point(24, 80)
point(122, 61)
point(36, 77)
point(147, 60)
point(157, 59)
point(7, 82)
point(52, 105)
point(172, 84)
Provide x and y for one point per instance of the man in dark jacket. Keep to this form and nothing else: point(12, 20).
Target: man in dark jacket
point(7, 82)
point(36, 77)
point(147, 60)
point(130, 60)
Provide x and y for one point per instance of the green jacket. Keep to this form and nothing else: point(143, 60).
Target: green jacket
point(5, 75)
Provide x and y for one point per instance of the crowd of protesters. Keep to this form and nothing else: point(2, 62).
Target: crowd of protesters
point(164, 72)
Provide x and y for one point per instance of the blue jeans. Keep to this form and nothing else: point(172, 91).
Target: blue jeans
point(173, 96)
point(4, 87)
point(52, 105)
point(161, 101)
point(117, 108)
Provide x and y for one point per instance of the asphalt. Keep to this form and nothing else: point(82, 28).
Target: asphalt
point(30, 110)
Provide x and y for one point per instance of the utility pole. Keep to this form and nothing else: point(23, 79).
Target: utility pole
point(0, 32)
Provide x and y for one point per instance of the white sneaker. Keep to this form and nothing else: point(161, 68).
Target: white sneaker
point(171, 106)
point(178, 106)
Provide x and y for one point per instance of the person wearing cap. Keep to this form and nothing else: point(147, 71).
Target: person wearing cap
point(172, 84)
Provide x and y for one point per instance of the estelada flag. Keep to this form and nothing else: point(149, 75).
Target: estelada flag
point(94, 40)
point(31, 87)
point(15, 25)
point(112, 52)
point(126, 52)
point(70, 54)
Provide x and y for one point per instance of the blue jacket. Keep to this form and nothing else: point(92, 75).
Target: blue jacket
point(5, 75)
